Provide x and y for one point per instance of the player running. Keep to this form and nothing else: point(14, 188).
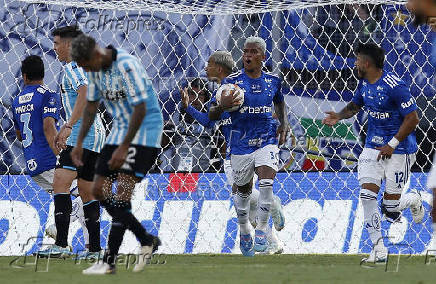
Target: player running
point(253, 141)
point(132, 146)
point(219, 66)
point(390, 144)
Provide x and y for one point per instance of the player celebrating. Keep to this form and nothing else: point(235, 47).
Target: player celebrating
point(389, 147)
point(219, 66)
point(253, 140)
point(132, 146)
point(74, 88)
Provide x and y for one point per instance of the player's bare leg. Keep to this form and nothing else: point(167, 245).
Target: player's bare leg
point(266, 179)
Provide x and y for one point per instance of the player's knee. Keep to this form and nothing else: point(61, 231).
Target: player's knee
point(245, 189)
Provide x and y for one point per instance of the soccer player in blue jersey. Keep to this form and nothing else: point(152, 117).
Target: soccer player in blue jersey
point(73, 91)
point(35, 110)
point(390, 144)
point(119, 79)
point(36, 114)
point(219, 66)
point(253, 140)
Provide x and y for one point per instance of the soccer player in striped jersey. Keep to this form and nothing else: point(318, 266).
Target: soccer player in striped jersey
point(219, 66)
point(253, 140)
point(119, 79)
point(74, 89)
point(390, 144)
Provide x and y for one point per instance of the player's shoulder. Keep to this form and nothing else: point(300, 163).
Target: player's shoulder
point(123, 57)
point(392, 81)
point(234, 76)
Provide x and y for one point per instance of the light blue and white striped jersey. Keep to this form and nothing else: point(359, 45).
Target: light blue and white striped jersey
point(123, 85)
point(73, 78)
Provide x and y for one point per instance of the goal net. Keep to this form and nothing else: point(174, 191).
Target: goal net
point(186, 200)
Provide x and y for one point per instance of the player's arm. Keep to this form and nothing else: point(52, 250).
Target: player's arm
point(50, 132)
point(17, 130)
point(87, 120)
point(348, 111)
point(65, 132)
point(282, 114)
point(283, 129)
point(201, 117)
point(18, 134)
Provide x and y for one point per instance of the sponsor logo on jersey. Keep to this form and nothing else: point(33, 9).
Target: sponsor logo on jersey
point(114, 95)
point(380, 88)
point(25, 98)
point(24, 108)
point(377, 140)
point(268, 80)
point(49, 109)
point(227, 121)
point(51, 101)
point(261, 109)
point(379, 115)
point(408, 103)
point(255, 142)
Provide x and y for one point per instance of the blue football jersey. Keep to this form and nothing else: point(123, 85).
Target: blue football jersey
point(253, 125)
point(74, 77)
point(387, 102)
point(124, 85)
point(29, 109)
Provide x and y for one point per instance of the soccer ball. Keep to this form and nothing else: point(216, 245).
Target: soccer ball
point(225, 89)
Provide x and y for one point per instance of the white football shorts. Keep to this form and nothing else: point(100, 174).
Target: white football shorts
point(395, 171)
point(243, 165)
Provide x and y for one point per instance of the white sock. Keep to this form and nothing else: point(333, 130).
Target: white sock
point(242, 201)
point(78, 214)
point(408, 200)
point(371, 215)
point(271, 236)
point(264, 203)
point(254, 197)
point(392, 207)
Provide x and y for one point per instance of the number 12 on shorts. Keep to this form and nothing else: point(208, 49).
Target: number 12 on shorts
point(399, 177)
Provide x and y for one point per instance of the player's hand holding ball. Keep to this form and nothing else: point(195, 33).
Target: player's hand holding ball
point(230, 97)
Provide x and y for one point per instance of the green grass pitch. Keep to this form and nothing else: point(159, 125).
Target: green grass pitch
point(230, 269)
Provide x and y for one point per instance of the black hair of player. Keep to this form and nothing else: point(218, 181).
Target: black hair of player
point(82, 48)
point(33, 67)
point(374, 52)
point(67, 32)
